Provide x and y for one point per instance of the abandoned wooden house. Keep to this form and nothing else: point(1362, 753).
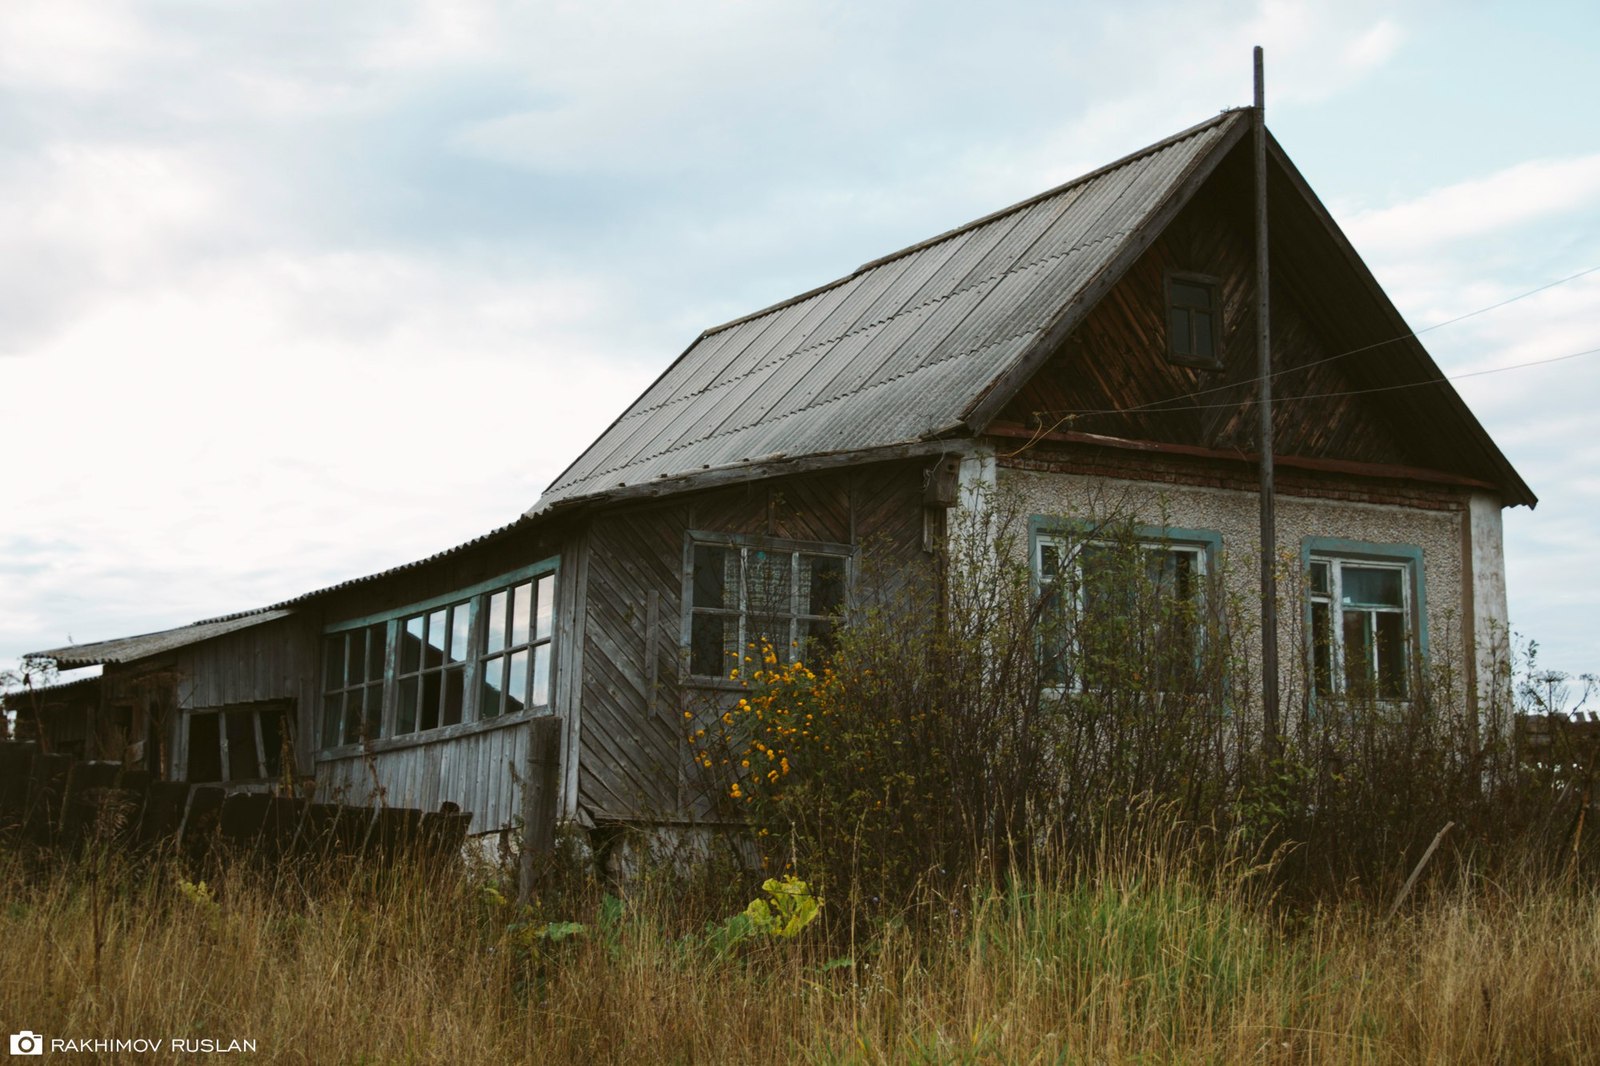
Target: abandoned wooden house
point(1099, 334)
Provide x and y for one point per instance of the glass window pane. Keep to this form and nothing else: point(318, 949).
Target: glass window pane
point(375, 711)
point(1178, 330)
point(493, 687)
point(457, 651)
point(495, 628)
point(822, 578)
point(411, 645)
point(377, 637)
point(244, 758)
point(354, 711)
point(410, 706)
point(1319, 579)
point(455, 695)
point(429, 718)
point(819, 641)
point(517, 682)
point(713, 575)
point(333, 663)
point(1391, 637)
point(1202, 335)
point(1358, 651)
point(713, 645)
point(1189, 294)
point(1322, 648)
point(1371, 586)
point(433, 650)
point(356, 657)
point(767, 580)
point(521, 613)
point(547, 606)
point(205, 747)
point(1049, 561)
point(541, 676)
point(332, 709)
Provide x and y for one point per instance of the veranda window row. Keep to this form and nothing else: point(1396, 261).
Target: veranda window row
point(477, 658)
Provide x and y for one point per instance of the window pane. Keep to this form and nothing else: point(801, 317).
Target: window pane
point(429, 718)
point(332, 708)
point(547, 606)
point(713, 574)
point(244, 758)
point(457, 650)
point(1188, 294)
point(822, 576)
point(1049, 561)
point(1202, 335)
point(356, 657)
point(713, 645)
point(455, 694)
point(1178, 330)
point(411, 645)
point(333, 663)
point(410, 706)
point(1371, 586)
point(1391, 654)
point(521, 612)
point(433, 652)
point(495, 629)
point(541, 676)
point(1322, 648)
point(517, 683)
point(818, 643)
point(1358, 651)
point(376, 638)
point(354, 709)
point(494, 686)
point(1319, 579)
point(374, 710)
point(205, 747)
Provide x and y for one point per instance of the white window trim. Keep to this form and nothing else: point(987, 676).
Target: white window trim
point(1409, 611)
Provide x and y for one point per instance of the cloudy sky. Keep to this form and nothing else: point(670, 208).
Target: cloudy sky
point(296, 291)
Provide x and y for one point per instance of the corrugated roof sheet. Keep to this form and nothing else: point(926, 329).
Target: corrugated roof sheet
point(128, 649)
point(897, 351)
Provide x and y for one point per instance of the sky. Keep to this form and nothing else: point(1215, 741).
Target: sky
point(295, 291)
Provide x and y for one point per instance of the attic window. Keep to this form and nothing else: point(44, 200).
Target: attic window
point(1193, 321)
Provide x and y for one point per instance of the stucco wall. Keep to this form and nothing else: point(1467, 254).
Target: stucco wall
point(1235, 516)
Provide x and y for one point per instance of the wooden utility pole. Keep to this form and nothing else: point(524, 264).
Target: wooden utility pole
point(1269, 518)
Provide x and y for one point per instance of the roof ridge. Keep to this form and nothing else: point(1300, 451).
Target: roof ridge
point(1131, 157)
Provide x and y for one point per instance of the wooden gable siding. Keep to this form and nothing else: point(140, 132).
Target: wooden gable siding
point(632, 742)
point(275, 661)
point(1116, 358)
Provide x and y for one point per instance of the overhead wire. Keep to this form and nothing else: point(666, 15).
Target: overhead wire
point(1181, 404)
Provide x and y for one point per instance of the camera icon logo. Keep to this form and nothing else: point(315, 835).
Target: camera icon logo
point(27, 1042)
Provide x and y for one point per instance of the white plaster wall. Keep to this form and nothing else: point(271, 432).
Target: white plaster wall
point(1491, 621)
point(1236, 516)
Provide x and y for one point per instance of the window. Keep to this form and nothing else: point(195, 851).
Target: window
point(744, 590)
point(1360, 613)
point(237, 743)
point(1193, 334)
point(476, 656)
point(1113, 609)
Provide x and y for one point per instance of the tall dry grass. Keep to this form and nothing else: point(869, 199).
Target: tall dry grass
point(1141, 954)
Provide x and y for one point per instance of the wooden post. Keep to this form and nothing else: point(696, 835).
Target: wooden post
point(541, 800)
point(1269, 519)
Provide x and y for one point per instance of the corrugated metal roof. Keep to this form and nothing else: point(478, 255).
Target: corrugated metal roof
point(896, 352)
point(128, 649)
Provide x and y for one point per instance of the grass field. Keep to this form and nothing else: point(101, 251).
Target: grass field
point(1151, 959)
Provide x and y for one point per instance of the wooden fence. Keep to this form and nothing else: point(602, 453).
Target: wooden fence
point(60, 801)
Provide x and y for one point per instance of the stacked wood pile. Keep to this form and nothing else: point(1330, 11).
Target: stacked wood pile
point(60, 801)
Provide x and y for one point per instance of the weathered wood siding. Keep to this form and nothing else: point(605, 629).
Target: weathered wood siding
point(481, 772)
point(631, 661)
point(273, 661)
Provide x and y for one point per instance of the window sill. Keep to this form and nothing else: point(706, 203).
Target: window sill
point(432, 736)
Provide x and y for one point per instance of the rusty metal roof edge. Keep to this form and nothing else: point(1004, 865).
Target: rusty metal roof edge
point(1150, 149)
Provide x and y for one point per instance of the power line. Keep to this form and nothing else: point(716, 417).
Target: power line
point(1345, 354)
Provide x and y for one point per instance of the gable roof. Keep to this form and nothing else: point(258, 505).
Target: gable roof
point(127, 649)
point(901, 350)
